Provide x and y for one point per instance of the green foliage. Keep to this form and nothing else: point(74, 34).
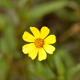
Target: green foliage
point(10, 36)
point(4, 67)
point(66, 57)
point(42, 70)
point(72, 71)
point(3, 46)
point(6, 4)
point(39, 11)
point(62, 17)
point(59, 66)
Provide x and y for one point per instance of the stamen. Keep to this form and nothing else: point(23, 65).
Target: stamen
point(39, 42)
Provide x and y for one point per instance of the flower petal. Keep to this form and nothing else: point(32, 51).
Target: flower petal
point(35, 31)
point(44, 32)
point(28, 47)
point(49, 48)
point(42, 54)
point(33, 53)
point(50, 39)
point(28, 37)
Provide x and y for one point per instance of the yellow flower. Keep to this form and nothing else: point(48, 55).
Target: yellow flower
point(39, 43)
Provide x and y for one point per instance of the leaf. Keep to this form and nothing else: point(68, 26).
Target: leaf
point(43, 71)
point(4, 67)
point(68, 60)
point(13, 16)
point(72, 71)
point(37, 69)
point(59, 66)
point(40, 10)
point(3, 46)
point(10, 37)
point(48, 70)
point(6, 4)
point(2, 21)
point(22, 3)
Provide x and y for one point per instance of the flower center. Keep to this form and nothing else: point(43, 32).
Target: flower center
point(39, 42)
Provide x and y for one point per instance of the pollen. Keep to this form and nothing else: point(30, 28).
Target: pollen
point(39, 42)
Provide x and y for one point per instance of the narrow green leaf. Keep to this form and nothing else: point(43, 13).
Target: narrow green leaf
point(72, 71)
point(21, 3)
point(48, 70)
point(40, 10)
point(3, 46)
point(68, 60)
point(10, 37)
point(6, 4)
point(59, 66)
point(3, 69)
point(13, 16)
point(2, 21)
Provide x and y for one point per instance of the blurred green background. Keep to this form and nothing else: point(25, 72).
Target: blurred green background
point(63, 19)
